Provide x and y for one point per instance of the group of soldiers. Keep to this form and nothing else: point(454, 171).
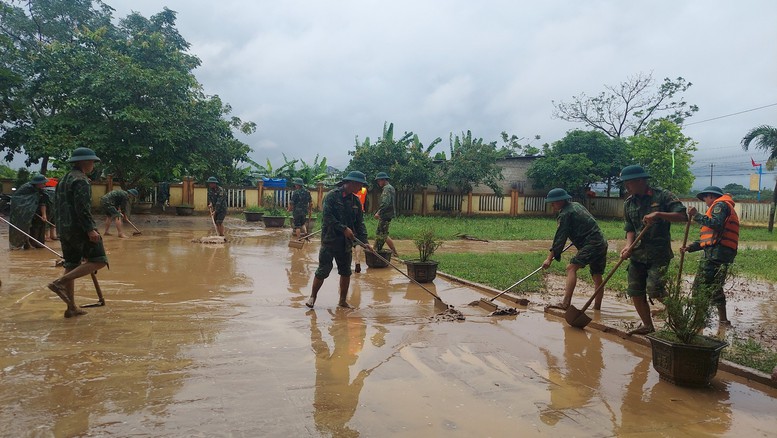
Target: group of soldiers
point(648, 213)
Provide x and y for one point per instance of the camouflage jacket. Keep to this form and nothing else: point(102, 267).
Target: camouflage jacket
point(388, 203)
point(301, 202)
point(576, 224)
point(655, 246)
point(341, 210)
point(117, 198)
point(74, 204)
point(217, 197)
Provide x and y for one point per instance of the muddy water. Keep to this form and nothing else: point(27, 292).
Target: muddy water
point(214, 340)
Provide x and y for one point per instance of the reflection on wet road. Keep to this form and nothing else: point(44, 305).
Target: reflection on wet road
point(214, 340)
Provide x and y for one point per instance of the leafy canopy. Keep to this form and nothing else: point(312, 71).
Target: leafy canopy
point(666, 154)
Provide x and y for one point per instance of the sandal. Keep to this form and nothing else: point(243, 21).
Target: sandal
point(642, 330)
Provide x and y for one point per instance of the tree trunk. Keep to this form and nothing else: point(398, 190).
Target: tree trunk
point(774, 207)
point(44, 164)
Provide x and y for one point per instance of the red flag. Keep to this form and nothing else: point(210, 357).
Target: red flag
point(754, 163)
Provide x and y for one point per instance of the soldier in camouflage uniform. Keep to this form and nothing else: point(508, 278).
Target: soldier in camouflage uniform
point(28, 203)
point(342, 224)
point(386, 212)
point(300, 206)
point(77, 229)
point(217, 203)
point(719, 240)
point(115, 204)
point(576, 224)
point(649, 260)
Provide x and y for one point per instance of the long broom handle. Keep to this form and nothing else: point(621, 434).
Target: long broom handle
point(682, 253)
point(524, 278)
point(612, 271)
point(33, 239)
point(399, 270)
point(44, 220)
point(130, 222)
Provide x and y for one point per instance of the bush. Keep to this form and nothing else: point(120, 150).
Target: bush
point(427, 244)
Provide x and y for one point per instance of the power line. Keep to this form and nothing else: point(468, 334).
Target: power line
point(729, 115)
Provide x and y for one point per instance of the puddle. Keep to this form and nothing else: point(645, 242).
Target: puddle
point(215, 340)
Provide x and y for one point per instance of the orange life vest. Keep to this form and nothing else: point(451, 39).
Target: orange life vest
point(729, 236)
point(362, 195)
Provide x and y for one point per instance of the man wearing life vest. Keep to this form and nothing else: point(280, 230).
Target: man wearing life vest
point(719, 239)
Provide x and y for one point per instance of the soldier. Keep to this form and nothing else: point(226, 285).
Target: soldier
point(719, 240)
point(358, 251)
point(649, 260)
point(386, 212)
point(115, 204)
point(29, 211)
point(342, 224)
point(576, 224)
point(301, 205)
point(217, 203)
point(77, 229)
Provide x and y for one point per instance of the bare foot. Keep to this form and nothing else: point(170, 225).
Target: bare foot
point(122, 236)
point(344, 305)
point(642, 330)
point(107, 234)
point(74, 312)
point(59, 289)
point(310, 302)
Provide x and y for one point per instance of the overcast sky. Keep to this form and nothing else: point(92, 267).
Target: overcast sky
point(315, 74)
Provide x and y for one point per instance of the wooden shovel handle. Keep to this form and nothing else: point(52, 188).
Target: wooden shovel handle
point(600, 289)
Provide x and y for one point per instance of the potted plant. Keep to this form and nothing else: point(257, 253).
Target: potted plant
point(274, 214)
point(680, 354)
point(253, 213)
point(424, 270)
point(184, 210)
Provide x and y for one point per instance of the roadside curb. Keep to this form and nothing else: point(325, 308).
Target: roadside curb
point(724, 365)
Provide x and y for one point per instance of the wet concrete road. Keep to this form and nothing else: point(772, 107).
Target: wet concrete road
point(214, 340)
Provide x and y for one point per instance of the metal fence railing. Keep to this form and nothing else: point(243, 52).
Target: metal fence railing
point(447, 202)
point(405, 201)
point(534, 203)
point(491, 203)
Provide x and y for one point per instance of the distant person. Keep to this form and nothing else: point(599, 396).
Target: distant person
point(82, 245)
point(300, 206)
point(576, 224)
point(649, 260)
point(358, 251)
point(342, 224)
point(217, 203)
point(115, 205)
point(29, 212)
point(719, 239)
point(51, 189)
point(386, 211)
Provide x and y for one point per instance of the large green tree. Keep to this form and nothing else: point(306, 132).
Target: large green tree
point(579, 160)
point(125, 90)
point(627, 108)
point(405, 159)
point(666, 154)
point(472, 162)
point(765, 137)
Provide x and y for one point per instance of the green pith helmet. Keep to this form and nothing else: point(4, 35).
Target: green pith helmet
point(633, 172)
point(133, 192)
point(39, 179)
point(355, 175)
point(714, 190)
point(297, 181)
point(557, 195)
point(212, 179)
point(83, 154)
point(382, 175)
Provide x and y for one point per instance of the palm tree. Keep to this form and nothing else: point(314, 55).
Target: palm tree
point(765, 138)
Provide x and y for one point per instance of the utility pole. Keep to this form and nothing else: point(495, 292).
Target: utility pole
point(711, 166)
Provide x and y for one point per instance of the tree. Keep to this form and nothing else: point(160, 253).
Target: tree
point(765, 137)
point(579, 160)
point(628, 107)
point(125, 90)
point(666, 154)
point(405, 159)
point(472, 162)
point(513, 147)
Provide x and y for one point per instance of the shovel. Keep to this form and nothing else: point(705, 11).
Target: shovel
point(489, 304)
point(578, 318)
point(137, 231)
point(438, 302)
point(299, 243)
point(101, 301)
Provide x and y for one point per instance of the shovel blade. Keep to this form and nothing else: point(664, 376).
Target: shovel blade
point(98, 304)
point(296, 244)
point(487, 305)
point(576, 318)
